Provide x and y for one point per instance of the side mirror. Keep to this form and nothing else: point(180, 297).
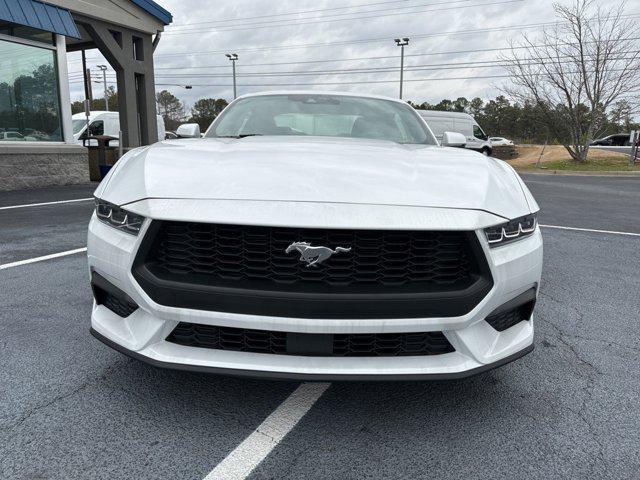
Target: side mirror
point(188, 130)
point(453, 139)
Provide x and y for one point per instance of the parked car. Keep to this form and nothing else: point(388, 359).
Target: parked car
point(616, 140)
point(315, 236)
point(500, 141)
point(104, 123)
point(11, 137)
point(463, 123)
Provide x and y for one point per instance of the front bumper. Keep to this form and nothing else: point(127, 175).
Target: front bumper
point(515, 268)
point(313, 377)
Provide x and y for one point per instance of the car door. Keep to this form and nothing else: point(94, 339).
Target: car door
point(14, 136)
point(465, 127)
point(112, 128)
point(480, 138)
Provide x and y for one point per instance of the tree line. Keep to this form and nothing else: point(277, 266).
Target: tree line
point(529, 122)
point(500, 117)
point(97, 104)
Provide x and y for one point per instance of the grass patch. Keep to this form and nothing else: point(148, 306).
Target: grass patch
point(601, 164)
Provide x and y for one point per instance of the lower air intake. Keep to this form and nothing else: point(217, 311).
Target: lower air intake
point(226, 338)
point(321, 345)
point(112, 297)
point(391, 344)
point(517, 310)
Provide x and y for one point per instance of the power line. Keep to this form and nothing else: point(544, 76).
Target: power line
point(373, 40)
point(362, 82)
point(295, 20)
point(349, 72)
point(340, 60)
point(366, 82)
point(364, 70)
point(363, 40)
point(315, 22)
point(382, 39)
point(294, 13)
point(379, 39)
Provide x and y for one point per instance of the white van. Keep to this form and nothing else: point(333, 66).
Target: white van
point(463, 123)
point(104, 123)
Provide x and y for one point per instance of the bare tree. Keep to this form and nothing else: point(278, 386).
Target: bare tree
point(579, 67)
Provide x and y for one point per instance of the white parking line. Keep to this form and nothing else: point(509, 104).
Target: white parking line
point(40, 259)
point(248, 455)
point(11, 207)
point(613, 232)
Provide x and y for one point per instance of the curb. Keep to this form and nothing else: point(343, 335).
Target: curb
point(577, 173)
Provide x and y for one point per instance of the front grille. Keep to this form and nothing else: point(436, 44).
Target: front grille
point(245, 269)
point(229, 254)
point(282, 343)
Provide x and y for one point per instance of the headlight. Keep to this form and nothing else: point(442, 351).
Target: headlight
point(118, 217)
point(512, 230)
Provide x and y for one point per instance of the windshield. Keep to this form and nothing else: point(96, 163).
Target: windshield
point(322, 115)
point(78, 125)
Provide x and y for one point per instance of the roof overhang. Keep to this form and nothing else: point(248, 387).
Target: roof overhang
point(40, 15)
point(152, 8)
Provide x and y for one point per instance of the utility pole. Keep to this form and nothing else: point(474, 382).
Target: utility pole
point(104, 80)
point(233, 57)
point(402, 42)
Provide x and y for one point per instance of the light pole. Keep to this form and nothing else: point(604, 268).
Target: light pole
point(104, 80)
point(402, 42)
point(233, 57)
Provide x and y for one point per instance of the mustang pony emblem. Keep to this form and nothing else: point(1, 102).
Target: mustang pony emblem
point(314, 255)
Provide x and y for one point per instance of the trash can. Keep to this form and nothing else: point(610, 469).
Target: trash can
point(101, 156)
point(104, 169)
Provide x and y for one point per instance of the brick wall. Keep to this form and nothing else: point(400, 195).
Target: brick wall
point(39, 166)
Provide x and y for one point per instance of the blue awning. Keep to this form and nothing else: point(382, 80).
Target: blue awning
point(152, 8)
point(40, 15)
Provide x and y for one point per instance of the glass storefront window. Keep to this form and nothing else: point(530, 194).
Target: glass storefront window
point(29, 97)
point(28, 33)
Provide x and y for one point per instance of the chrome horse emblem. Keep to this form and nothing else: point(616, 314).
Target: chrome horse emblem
point(314, 255)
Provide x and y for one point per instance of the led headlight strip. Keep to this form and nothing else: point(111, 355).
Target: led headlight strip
point(117, 217)
point(512, 230)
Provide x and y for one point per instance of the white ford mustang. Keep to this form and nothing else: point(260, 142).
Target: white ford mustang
point(315, 236)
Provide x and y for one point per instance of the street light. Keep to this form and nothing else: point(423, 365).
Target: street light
point(233, 57)
point(187, 87)
point(104, 80)
point(401, 42)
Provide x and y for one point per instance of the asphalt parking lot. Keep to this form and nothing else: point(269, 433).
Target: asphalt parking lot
point(71, 408)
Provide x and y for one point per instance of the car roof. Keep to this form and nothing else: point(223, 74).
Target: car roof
point(441, 113)
point(93, 114)
point(320, 92)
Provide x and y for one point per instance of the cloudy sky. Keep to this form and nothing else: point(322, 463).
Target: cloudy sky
point(343, 44)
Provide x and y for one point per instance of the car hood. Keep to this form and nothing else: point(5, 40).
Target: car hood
point(327, 170)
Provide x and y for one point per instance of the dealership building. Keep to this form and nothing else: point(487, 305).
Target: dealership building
point(37, 146)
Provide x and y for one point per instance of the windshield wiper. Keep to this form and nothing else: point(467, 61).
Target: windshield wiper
point(243, 135)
